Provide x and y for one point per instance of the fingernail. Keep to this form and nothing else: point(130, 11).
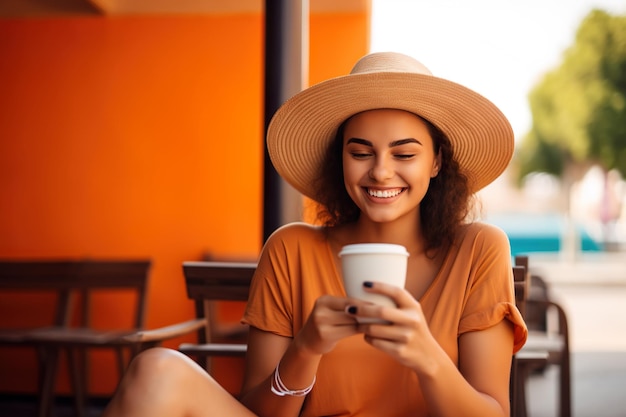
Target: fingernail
point(351, 309)
point(368, 284)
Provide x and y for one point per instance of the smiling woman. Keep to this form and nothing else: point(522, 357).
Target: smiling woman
point(383, 153)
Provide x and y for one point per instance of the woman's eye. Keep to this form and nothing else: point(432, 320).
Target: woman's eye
point(405, 156)
point(360, 155)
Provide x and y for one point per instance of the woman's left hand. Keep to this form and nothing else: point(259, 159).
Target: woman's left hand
point(406, 335)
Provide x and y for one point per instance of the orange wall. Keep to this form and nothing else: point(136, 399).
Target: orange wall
point(138, 137)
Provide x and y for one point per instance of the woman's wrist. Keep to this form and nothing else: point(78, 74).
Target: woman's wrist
point(279, 388)
point(430, 366)
point(296, 372)
point(303, 351)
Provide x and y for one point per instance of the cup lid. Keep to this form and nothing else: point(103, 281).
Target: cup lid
point(371, 248)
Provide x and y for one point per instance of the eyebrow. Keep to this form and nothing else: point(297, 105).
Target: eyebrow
point(398, 142)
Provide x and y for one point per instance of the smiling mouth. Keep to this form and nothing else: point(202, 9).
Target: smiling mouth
point(385, 193)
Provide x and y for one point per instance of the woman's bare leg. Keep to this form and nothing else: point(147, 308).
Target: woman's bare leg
point(164, 382)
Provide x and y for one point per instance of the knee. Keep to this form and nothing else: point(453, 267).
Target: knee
point(156, 370)
point(154, 363)
point(151, 380)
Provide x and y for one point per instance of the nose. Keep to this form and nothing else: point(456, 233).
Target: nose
point(382, 169)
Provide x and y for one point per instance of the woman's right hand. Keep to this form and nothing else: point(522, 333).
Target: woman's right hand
point(327, 324)
point(299, 358)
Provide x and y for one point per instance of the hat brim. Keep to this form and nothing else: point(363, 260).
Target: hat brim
point(301, 130)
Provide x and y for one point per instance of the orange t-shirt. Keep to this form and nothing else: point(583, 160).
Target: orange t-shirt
point(472, 291)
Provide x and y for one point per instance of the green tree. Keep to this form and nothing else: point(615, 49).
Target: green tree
point(579, 108)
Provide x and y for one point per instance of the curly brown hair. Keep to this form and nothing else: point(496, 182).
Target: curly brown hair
point(444, 208)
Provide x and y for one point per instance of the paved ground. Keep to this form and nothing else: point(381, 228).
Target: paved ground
point(598, 387)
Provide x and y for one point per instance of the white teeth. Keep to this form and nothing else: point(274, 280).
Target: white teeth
point(384, 193)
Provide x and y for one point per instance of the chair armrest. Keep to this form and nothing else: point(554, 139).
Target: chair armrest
point(165, 333)
point(214, 349)
point(531, 359)
point(562, 316)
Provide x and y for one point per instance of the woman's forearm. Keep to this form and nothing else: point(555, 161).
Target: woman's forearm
point(449, 394)
point(297, 370)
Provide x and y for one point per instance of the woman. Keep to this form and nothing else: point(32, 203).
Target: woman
point(394, 155)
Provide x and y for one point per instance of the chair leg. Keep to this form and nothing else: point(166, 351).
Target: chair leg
point(565, 386)
point(77, 362)
point(49, 360)
point(121, 361)
point(520, 391)
point(203, 362)
point(512, 387)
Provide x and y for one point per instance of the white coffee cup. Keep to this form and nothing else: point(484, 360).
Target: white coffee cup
point(382, 262)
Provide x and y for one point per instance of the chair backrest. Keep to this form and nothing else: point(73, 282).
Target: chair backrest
point(125, 275)
point(521, 276)
point(218, 280)
point(44, 275)
point(537, 311)
point(210, 281)
point(70, 278)
point(521, 288)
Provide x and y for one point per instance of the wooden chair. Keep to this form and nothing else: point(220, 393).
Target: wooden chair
point(77, 282)
point(522, 361)
point(207, 283)
point(41, 277)
point(546, 338)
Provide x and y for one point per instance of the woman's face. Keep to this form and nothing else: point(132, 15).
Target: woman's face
point(388, 161)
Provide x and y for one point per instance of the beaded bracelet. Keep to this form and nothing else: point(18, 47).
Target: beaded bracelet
point(279, 388)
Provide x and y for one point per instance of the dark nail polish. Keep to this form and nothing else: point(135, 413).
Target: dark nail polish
point(352, 310)
point(368, 284)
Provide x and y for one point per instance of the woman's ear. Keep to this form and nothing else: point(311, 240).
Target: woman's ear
point(436, 166)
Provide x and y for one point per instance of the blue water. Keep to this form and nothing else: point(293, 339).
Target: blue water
point(530, 233)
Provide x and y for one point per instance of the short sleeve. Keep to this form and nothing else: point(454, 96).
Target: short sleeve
point(269, 305)
point(491, 296)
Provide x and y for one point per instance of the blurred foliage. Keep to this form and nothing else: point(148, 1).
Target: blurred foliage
point(579, 108)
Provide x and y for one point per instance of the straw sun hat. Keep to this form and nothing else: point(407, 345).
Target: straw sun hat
point(304, 126)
